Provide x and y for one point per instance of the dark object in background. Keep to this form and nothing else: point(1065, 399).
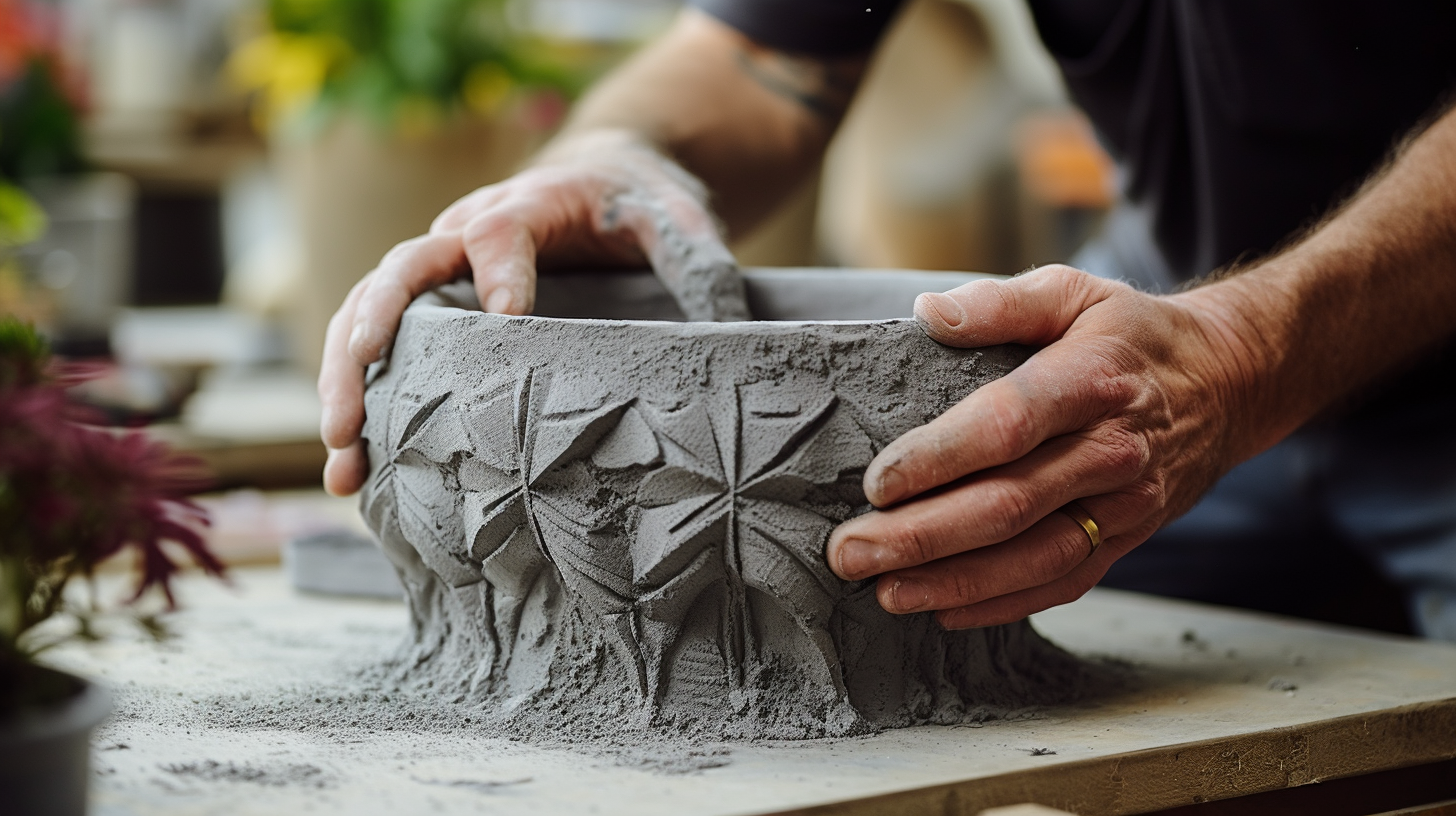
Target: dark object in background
point(179, 259)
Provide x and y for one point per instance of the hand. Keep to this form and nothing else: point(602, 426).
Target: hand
point(1127, 408)
point(605, 199)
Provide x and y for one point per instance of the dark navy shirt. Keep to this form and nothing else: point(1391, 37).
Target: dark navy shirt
point(1235, 122)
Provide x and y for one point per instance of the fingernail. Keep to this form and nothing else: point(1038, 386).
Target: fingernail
point(908, 595)
point(499, 301)
point(889, 486)
point(857, 558)
point(328, 469)
point(945, 309)
point(361, 336)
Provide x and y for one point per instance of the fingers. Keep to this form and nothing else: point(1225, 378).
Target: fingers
point(1006, 418)
point(341, 389)
point(992, 507)
point(1061, 389)
point(358, 334)
point(1036, 308)
point(1048, 552)
point(454, 217)
point(341, 377)
point(501, 244)
point(1013, 606)
point(1045, 552)
point(346, 469)
point(407, 271)
point(497, 235)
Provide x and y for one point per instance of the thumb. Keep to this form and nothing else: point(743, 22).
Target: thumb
point(1035, 308)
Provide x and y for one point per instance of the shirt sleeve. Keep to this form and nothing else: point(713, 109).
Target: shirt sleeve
point(821, 28)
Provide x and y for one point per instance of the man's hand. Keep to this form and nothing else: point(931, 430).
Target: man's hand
point(1135, 404)
point(1126, 409)
point(751, 123)
point(610, 201)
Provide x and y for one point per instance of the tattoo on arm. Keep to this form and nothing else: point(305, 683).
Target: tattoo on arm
point(823, 86)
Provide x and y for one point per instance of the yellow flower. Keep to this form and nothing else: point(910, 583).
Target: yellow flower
point(288, 69)
point(487, 86)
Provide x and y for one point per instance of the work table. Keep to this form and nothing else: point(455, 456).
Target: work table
point(1227, 703)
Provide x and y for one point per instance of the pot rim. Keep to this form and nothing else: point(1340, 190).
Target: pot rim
point(435, 302)
point(793, 297)
point(78, 713)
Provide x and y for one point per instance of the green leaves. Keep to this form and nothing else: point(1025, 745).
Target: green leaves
point(404, 61)
point(21, 218)
point(23, 352)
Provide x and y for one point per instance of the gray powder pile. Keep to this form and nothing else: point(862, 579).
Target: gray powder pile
point(609, 528)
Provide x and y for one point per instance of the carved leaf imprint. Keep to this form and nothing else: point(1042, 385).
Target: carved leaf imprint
point(505, 449)
point(729, 488)
point(496, 485)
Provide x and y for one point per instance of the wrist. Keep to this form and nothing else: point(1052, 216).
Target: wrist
point(1247, 323)
point(579, 144)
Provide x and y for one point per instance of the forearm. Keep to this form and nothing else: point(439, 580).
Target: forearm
point(1362, 296)
point(750, 123)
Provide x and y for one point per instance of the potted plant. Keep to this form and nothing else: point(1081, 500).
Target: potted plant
point(72, 495)
point(383, 112)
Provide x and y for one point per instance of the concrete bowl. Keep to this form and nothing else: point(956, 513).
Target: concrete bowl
point(616, 522)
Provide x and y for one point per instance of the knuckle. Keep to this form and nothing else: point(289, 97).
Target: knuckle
point(402, 252)
point(1066, 280)
point(1066, 592)
point(1065, 552)
point(1125, 453)
point(1147, 496)
point(963, 587)
point(462, 207)
point(914, 543)
point(1012, 510)
point(487, 225)
point(336, 324)
point(1008, 296)
point(1109, 388)
point(1010, 426)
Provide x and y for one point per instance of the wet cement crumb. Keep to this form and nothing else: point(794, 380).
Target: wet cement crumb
point(1280, 684)
point(210, 770)
point(477, 785)
point(1191, 640)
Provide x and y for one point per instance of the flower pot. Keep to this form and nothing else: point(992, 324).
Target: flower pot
point(45, 748)
point(609, 524)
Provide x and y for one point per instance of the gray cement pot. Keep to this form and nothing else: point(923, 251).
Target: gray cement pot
point(45, 752)
point(613, 523)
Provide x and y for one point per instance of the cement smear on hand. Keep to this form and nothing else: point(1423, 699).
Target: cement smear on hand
point(606, 527)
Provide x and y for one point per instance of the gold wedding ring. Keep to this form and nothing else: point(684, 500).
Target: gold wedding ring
point(1074, 511)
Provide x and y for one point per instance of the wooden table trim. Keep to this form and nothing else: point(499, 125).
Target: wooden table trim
point(1190, 773)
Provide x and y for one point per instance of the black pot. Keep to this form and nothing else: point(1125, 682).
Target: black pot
point(45, 747)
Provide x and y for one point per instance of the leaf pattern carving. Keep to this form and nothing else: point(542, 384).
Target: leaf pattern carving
point(511, 458)
point(725, 500)
point(504, 482)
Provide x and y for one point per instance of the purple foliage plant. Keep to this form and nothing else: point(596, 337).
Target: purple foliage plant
point(73, 494)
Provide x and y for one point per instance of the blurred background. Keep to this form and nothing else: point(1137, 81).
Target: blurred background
point(188, 188)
